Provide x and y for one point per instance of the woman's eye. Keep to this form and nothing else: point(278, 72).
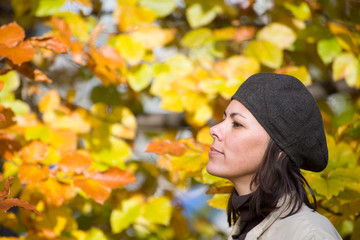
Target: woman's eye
point(236, 124)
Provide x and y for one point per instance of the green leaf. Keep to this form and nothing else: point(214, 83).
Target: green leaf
point(301, 11)
point(162, 8)
point(199, 14)
point(277, 33)
point(48, 7)
point(95, 234)
point(196, 38)
point(346, 65)
point(120, 219)
point(40, 132)
point(266, 52)
point(141, 78)
point(158, 210)
point(328, 49)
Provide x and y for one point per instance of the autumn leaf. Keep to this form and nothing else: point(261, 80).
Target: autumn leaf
point(9, 145)
point(113, 177)
point(6, 204)
point(221, 189)
point(52, 43)
point(23, 52)
point(28, 71)
point(165, 146)
point(6, 117)
point(244, 33)
point(11, 34)
point(75, 161)
point(93, 189)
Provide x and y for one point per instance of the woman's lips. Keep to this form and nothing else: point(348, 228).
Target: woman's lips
point(214, 151)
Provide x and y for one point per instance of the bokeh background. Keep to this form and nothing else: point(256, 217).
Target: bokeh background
point(105, 108)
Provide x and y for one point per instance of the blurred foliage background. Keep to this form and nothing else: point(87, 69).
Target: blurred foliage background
point(105, 108)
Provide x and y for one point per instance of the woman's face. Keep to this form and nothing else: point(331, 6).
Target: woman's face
point(238, 147)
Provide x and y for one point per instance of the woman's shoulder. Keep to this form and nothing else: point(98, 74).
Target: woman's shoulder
point(305, 224)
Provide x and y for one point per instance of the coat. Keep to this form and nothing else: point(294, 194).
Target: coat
point(306, 224)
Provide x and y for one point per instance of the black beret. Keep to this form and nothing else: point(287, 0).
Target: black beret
point(289, 114)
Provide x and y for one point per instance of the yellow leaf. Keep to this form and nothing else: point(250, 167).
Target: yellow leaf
point(152, 36)
point(346, 66)
point(171, 101)
point(219, 201)
point(50, 101)
point(301, 11)
point(129, 48)
point(162, 8)
point(300, 72)
point(201, 115)
point(238, 66)
point(141, 78)
point(203, 136)
point(122, 218)
point(201, 14)
point(71, 121)
point(128, 16)
point(158, 210)
point(196, 38)
point(266, 52)
point(277, 33)
point(227, 33)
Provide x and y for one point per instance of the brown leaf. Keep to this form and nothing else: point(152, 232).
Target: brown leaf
point(75, 161)
point(222, 189)
point(14, 202)
point(165, 146)
point(9, 145)
point(244, 33)
point(2, 72)
point(113, 177)
point(6, 117)
point(28, 71)
point(11, 34)
point(52, 43)
point(7, 186)
point(19, 54)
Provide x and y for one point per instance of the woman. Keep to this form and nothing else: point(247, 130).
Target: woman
point(271, 129)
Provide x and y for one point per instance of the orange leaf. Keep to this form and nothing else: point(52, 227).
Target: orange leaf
point(56, 193)
point(14, 202)
point(9, 144)
point(77, 53)
point(63, 29)
point(7, 186)
point(94, 34)
point(76, 161)
point(19, 54)
point(31, 173)
point(51, 43)
point(11, 34)
point(222, 189)
point(244, 33)
point(28, 71)
point(106, 64)
point(34, 152)
point(165, 146)
point(93, 189)
point(114, 177)
point(6, 117)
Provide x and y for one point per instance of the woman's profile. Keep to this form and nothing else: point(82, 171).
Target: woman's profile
point(271, 129)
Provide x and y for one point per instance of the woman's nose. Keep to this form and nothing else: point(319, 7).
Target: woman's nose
point(215, 131)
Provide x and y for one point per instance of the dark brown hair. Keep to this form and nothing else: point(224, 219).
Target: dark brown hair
point(277, 176)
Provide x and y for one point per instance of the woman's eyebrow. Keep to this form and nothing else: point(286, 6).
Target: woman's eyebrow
point(234, 114)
